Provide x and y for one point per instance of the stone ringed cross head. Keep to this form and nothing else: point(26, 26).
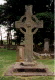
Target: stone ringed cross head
point(29, 19)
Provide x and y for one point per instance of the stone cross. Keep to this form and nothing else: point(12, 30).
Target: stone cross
point(29, 21)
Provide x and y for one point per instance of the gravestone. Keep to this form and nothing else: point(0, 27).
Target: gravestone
point(46, 45)
point(28, 67)
point(28, 22)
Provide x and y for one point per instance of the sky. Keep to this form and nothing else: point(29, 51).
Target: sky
point(3, 28)
point(2, 1)
point(3, 32)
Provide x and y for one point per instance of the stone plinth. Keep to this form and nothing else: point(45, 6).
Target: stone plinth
point(31, 69)
point(20, 53)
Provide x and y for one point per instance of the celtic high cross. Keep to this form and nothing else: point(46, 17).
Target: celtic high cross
point(28, 22)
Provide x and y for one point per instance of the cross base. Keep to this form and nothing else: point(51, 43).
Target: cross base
point(28, 69)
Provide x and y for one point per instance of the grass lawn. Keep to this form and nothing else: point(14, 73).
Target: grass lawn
point(8, 57)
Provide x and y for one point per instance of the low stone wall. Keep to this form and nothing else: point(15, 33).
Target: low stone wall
point(11, 47)
point(2, 46)
point(44, 55)
point(41, 48)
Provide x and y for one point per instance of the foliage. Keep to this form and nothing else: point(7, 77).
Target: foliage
point(48, 19)
point(14, 9)
point(43, 33)
point(45, 16)
point(48, 27)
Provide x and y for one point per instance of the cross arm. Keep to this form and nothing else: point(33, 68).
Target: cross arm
point(39, 24)
point(19, 24)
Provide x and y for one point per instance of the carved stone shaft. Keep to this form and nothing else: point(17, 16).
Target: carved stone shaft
point(28, 47)
point(28, 21)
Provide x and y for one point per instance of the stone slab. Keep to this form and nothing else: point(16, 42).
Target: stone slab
point(11, 71)
point(29, 74)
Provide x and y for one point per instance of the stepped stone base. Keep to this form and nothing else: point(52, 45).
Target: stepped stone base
point(28, 69)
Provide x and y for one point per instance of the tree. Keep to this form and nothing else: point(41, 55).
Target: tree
point(48, 19)
point(14, 9)
point(48, 27)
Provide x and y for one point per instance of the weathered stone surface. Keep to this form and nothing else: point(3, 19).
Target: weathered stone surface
point(20, 53)
point(35, 70)
point(29, 21)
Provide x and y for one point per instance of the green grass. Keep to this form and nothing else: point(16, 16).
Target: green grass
point(8, 57)
point(49, 63)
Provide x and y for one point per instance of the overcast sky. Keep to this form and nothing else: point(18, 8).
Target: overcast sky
point(3, 28)
point(3, 32)
point(2, 1)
